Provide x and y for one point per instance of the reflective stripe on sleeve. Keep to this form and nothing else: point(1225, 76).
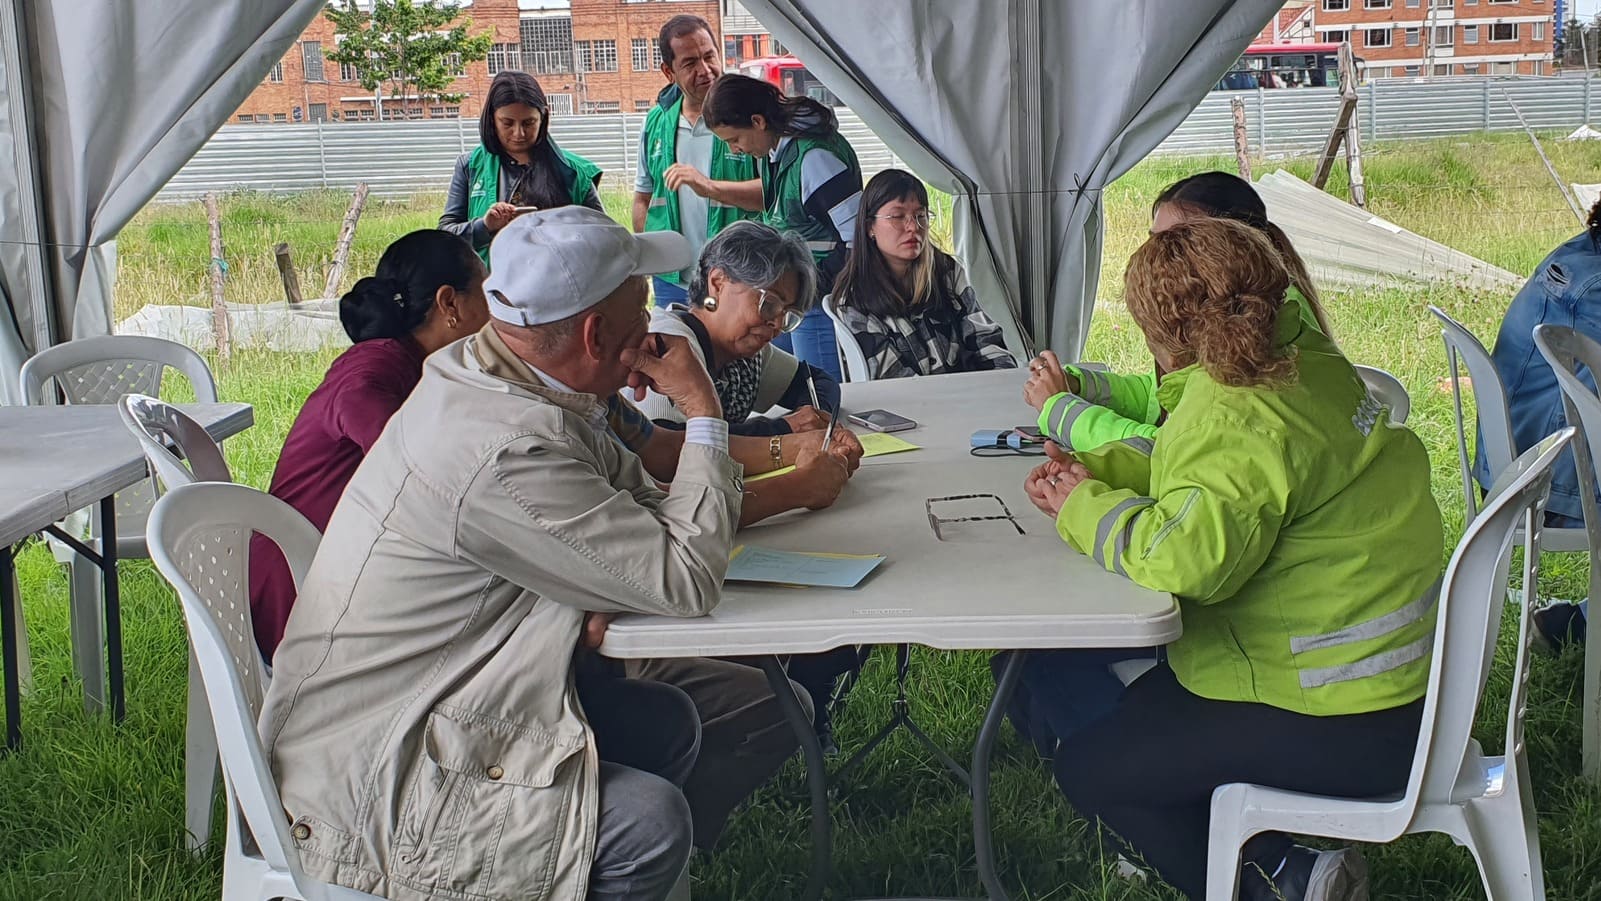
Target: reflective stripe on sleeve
point(1103, 529)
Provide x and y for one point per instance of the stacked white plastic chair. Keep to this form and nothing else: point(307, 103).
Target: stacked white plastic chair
point(851, 357)
point(1482, 801)
point(199, 540)
point(161, 428)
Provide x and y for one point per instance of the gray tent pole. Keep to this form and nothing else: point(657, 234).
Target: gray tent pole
point(32, 285)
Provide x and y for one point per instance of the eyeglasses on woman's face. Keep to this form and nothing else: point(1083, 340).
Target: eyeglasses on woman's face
point(772, 307)
point(918, 220)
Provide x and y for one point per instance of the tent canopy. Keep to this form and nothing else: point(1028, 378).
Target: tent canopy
point(1023, 109)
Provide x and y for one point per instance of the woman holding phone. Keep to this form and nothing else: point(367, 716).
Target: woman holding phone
point(516, 168)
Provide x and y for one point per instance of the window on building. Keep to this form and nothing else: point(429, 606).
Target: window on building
point(311, 59)
point(1445, 35)
point(347, 72)
point(1470, 34)
point(602, 106)
point(1412, 71)
point(245, 118)
point(436, 112)
point(1539, 31)
point(1443, 4)
point(1471, 3)
point(1376, 37)
point(319, 112)
point(1413, 38)
point(280, 117)
point(1376, 4)
point(1414, 4)
point(640, 51)
point(413, 112)
point(1503, 69)
point(505, 58)
point(1502, 32)
point(1337, 37)
point(276, 75)
point(643, 106)
point(1378, 71)
point(365, 114)
point(584, 56)
point(1442, 70)
point(1539, 67)
point(730, 47)
point(1334, 6)
point(605, 56)
point(547, 44)
point(262, 117)
point(1502, 3)
point(560, 104)
point(1470, 69)
point(455, 66)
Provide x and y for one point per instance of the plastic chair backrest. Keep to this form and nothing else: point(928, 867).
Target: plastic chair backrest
point(850, 353)
point(199, 537)
point(102, 370)
point(1388, 390)
point(1570, 353)
point(1489, 395)
point(1469, 622)
point(156, 424)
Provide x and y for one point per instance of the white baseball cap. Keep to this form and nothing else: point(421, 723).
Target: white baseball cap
point(551, 264)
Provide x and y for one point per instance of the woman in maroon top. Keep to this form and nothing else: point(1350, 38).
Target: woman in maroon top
point(428, 291)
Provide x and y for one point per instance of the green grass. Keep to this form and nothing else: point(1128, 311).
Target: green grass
point(93, 812)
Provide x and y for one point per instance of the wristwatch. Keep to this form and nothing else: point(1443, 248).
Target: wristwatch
point(775, 449)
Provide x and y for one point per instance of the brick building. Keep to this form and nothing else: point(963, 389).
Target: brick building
point(306, 87)
point(614, 48)
point(1401, 38)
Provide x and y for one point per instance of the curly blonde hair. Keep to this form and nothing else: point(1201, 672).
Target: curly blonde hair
point(1209, 292)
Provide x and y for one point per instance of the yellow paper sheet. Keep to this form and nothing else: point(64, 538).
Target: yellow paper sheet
point(874, 444)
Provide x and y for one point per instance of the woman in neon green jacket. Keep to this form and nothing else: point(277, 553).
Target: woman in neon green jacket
point(1295, 527)
point(1080, 410)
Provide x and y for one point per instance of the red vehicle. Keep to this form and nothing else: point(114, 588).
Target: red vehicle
point(790, 76)
point(1286, 66)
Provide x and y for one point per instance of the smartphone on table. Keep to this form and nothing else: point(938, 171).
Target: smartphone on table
point(881, 421)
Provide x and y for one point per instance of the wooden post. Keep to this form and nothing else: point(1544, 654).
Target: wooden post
point(1353, 127)
point(1562, 189)
point(1242, 143)
point(286, 271)
point(347, 234)
point(219, 269)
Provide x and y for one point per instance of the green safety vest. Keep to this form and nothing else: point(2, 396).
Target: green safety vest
point(785, 201)
point(1294, 525)
point(661, 151)
point(581, 176)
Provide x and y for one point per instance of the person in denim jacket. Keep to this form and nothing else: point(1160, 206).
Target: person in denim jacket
point(1560, 292)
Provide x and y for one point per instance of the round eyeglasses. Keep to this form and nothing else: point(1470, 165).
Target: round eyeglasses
point(775, 309)
point(918, 220)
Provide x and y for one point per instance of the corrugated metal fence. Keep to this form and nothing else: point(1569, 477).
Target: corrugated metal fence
point(401, 158)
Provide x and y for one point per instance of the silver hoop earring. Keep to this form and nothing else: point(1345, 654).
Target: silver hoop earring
point(709, 304)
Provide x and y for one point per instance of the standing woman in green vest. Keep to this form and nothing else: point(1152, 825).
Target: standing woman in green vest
point(515, 168)
point(688, 180)
point(811, 184)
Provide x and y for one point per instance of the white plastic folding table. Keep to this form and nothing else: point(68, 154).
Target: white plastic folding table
point(980, 584)
point(57, 459)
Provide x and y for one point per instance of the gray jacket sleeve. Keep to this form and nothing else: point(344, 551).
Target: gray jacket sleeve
point(604, 539)
point(455, 219)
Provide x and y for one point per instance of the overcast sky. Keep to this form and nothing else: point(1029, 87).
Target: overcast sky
point(1583, 9)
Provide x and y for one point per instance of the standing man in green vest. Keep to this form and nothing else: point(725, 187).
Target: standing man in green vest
point(688, 181)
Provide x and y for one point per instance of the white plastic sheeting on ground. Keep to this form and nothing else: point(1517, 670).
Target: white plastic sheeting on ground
point(268, 326)
point(101, 101)
point(1586, 195)
point(1025, 110)
point(1345, 245)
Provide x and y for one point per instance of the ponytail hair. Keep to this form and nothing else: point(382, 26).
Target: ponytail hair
point(1209, 291)
point(1225, 196)
point(396, 299)
point(735, 99)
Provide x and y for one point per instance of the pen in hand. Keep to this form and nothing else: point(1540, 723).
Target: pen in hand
point(811, 388)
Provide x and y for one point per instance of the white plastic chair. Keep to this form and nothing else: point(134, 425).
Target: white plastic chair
point(1567, 351)
point(1494, 422)
point(102, 370)
point(157, 425)
point(199, 540)
point(851, 358)
point(1481, 801)
point(1388, 390)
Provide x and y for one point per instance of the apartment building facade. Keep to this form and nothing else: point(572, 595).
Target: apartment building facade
point(616, 57)
point(305, 86)
point(1408, 38)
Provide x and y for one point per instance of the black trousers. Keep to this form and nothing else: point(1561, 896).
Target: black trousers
point(1147, 769)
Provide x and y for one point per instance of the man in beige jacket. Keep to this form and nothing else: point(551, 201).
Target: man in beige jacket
point(425, 722)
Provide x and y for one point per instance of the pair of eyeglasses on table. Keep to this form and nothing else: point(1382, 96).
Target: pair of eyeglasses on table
point(935, 520)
